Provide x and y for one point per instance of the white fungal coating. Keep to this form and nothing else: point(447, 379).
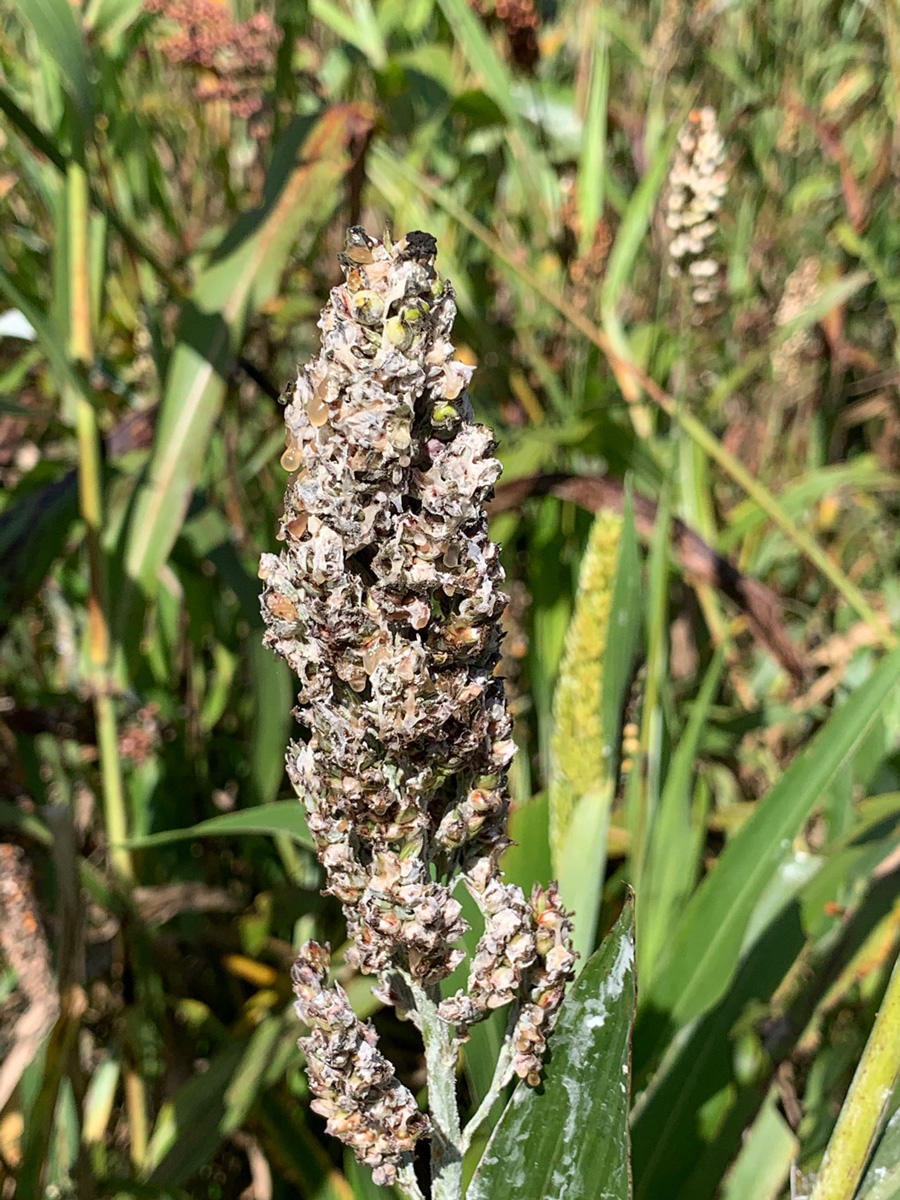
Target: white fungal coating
point(386, 602)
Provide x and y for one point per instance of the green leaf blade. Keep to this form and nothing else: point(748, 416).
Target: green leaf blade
point(213, 326)
point(285, 816)
point(705, 949)
point(56, 28)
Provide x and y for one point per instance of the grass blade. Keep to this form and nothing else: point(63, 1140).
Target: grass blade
point(592, 165)
point(55, 25)
point(764, 1163)
point(285, 816)
point(671, 866)
point(704, 951)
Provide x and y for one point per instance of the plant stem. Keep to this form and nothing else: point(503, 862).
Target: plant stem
point(863, 1112)
point(90, 493)
point(407, 1184)
point(114, 808)
point(503, 1073)
point(695, 429)
point(440, 1060)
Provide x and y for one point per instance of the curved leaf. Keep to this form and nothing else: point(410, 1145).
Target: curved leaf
point(57, 30)
point(284, 817)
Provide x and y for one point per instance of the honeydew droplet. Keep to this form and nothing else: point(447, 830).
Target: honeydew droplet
point(316, 409)
point(371, 658)
point(292, 458)
point(419, 616)
point(360, 254)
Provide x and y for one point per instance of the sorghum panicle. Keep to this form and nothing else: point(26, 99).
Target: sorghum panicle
point(698, 182)
point(386, 603)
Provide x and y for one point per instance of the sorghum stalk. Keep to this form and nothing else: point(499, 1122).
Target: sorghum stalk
point(386, 602)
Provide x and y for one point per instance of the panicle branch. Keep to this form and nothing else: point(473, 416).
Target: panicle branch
point(354, 1084)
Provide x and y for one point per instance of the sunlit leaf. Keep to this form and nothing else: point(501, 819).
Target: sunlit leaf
point(302, 190)
point(704, 949)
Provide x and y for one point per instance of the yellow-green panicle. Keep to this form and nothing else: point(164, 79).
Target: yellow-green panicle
point(579, 761)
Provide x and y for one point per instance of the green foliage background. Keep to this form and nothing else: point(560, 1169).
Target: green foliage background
point(170, 231)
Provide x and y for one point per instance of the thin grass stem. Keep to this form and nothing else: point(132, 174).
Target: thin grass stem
point(136, 1106)
point(90, 492)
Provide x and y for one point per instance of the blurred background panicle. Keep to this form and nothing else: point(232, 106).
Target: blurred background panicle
point(673, 235)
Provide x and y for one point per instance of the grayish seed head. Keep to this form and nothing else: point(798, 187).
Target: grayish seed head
point(386, 602)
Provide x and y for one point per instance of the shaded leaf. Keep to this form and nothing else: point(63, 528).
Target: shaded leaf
point(764, 1163)
point(209, 1107)
point(48, 335)
point(272, 686)
point(286, 816)
point(33, 533)
point(882, 1178)
point(694, 1105)
point(527, 860)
